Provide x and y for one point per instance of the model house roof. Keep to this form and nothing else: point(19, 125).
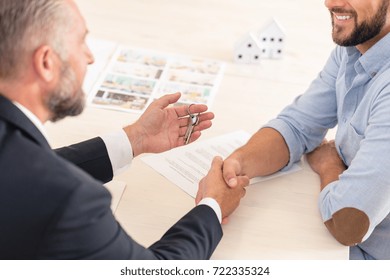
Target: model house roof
point(268, 42)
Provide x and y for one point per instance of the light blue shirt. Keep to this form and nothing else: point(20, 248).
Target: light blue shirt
point(353, 92)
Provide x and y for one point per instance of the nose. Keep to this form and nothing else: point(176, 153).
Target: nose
point(334, 3)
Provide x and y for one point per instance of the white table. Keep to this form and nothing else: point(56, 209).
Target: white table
point(278, 219)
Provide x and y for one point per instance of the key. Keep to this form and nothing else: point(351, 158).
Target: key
point(193, 120)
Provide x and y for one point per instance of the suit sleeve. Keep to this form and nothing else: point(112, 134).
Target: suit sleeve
point(91, 156)
point(195, 236)
point(85, 228)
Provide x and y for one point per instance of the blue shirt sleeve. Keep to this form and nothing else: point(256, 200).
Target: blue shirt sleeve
point(305, 122)
point(365, 185)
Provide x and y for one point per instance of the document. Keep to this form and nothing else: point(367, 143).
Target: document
point(187, 165)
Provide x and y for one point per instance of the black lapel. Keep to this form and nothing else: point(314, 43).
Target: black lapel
point(10, 113)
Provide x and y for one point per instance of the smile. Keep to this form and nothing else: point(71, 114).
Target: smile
point(342, 17)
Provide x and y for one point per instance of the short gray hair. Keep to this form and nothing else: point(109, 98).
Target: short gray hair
point(24, 26)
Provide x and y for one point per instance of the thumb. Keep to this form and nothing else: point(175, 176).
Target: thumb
point(230, 171)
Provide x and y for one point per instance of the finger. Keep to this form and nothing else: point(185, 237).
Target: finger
point(243, 193)
point(183, 122)
point(243, 181)
point(199, 194)
point(196, 133)
point(195, 136)
point(225, 220)
point(204, 121)
point(184, 110)
point(216, 164)
point(202, 126)
point(167, 99)
point(198, 197)
point(196, 130)
point(205, 118)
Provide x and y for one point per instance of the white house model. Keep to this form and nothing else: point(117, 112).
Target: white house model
point(248, 50)
point(266, 43)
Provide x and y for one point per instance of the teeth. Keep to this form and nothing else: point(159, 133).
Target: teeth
point(343, 17)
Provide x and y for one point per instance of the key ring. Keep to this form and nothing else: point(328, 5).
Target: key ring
point(188, 110)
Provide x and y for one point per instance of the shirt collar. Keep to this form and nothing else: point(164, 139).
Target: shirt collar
point(34, 119)
point(376, 57)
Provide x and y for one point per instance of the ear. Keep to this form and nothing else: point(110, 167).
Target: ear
point(45, 62)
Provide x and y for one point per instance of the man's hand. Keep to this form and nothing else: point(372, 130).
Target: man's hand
point(231, 171)
point(161, 128)
point(326, 162)
point(265, 153)
point(214, 186)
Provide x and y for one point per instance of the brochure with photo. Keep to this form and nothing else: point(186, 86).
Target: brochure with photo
point(132, 78)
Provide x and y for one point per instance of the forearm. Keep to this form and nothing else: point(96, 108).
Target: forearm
point(266, 152)
point(194, 237)
point(91, 156)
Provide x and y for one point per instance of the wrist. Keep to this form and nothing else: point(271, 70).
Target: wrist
point(211, 202)
point(135, 138)
point(334, 168)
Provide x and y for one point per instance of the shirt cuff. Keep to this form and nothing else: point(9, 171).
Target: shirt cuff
point(119, 150)
point(295, 151)
point(211, 202)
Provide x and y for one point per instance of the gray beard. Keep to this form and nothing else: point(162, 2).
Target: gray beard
point(66, 100)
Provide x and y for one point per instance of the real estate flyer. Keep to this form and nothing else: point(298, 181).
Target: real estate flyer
point(134, 78)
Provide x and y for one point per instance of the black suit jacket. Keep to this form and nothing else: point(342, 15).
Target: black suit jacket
point(53, 204)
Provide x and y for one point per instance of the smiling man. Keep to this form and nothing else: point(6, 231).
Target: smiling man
point(361, 24)
point(353, 92)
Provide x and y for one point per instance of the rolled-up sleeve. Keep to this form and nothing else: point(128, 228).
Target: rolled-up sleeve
point(364, 188)
point(305, 122)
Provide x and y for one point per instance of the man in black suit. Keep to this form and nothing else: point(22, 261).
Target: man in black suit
point(52, 203)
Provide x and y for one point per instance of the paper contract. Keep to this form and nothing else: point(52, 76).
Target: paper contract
point(187, 165)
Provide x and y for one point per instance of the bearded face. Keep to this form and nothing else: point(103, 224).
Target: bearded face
point(361, 32)
point(68, 98)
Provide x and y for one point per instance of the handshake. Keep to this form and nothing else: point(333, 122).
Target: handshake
point(222, 185)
